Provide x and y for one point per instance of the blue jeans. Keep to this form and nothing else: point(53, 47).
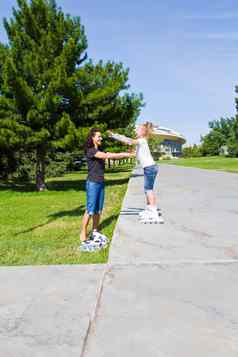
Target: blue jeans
point(95, 197)
point(150, 173)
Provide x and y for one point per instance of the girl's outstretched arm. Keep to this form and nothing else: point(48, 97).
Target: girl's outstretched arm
point(122, 138)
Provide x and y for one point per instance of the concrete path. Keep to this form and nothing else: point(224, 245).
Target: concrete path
point(167, 311)
point(47, 311)
point(200, 209)
point(172, 290)
point(168, 290)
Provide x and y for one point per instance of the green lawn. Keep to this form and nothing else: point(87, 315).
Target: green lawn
point(43, 228)
point(211, 163)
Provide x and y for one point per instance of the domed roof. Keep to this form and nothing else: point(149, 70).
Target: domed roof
point(169, 134)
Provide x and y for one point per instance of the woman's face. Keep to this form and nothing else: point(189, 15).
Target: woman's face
point(97, 139)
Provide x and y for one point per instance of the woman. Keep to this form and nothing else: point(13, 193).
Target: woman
point(143, 155)
point(95, 181)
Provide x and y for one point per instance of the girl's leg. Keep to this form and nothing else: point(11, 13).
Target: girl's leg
point(150, 174)
point(85, 222)
point(151, 198)
point(147, 200)
point(150, 215)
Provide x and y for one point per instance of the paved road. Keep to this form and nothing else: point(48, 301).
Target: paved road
point(168, 290)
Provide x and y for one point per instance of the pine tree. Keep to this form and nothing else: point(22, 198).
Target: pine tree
point(48, 88)
point(44, 49)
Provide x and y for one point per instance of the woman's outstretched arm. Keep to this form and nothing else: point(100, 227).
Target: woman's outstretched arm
point(114, 156)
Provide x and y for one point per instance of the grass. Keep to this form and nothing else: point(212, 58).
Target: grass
point(211, 163)
point(39, 228)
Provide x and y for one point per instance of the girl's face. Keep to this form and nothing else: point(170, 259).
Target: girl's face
point(97, 139)
point(141, 131)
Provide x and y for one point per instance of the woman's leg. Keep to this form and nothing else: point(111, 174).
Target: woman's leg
point(96, 220)
point(99, 205)
point(85, 222)
point(91, 193)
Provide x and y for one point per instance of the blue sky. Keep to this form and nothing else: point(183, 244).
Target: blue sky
point(182, 54)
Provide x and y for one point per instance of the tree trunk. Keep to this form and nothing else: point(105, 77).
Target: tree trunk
point(40, 170)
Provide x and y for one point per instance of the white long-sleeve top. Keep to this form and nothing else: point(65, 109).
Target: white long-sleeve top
point(143, 154)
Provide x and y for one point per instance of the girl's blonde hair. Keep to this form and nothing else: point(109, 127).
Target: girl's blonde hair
point(149, 128)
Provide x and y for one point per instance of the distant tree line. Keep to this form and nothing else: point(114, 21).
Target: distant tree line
point(222, 138)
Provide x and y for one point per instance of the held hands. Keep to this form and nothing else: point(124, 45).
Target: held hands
point(109, 133)
point(131, 153)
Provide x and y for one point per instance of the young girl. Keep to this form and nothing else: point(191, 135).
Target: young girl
point(95, 181)
point(143, 155)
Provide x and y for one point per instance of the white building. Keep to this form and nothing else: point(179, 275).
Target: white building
point(172, 141)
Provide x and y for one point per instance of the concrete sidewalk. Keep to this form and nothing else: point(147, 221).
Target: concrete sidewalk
point(200, 209)
point(168, 290)
point(47, 311)
point(171, 290)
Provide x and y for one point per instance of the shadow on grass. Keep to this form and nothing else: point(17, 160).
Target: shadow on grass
point(66, 185)
point(77, 212)
point(18, 186)
point(79, 185)
point(56, 185)
point(72, 213)
point(107, 221)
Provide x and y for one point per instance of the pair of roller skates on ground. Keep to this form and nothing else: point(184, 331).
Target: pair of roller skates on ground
point(96, 241)
point(151, 216)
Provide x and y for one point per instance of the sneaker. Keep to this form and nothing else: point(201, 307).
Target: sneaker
point(90, 246)
point(98, 237)
point(93, 245)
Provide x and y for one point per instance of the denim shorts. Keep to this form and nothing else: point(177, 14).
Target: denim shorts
point(95, 197)
point(150, 173)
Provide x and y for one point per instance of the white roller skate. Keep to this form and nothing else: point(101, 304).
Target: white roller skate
point(151, 217)
point(146, 211)
point(143, 212)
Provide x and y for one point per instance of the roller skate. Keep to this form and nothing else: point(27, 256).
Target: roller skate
point(150, 217)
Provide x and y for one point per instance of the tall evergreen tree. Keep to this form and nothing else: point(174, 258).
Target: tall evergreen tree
point(49, 89)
